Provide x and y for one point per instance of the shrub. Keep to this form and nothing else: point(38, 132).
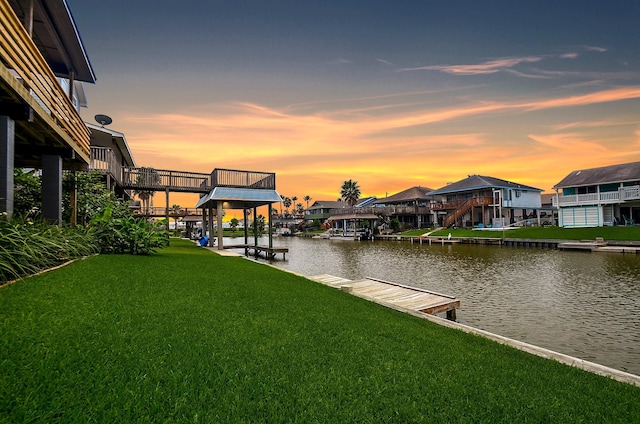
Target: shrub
point(128, 234)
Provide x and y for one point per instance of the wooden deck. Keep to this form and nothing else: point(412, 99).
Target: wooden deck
point(598, 246)
point(395, 295)
point(581, 245)
point(268, 252)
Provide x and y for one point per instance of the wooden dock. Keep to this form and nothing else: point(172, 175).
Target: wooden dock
point(581, 245)
point(597, 246)
point(395, 295)
point(269, 252)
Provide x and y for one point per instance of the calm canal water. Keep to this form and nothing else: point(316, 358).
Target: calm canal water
point(582, 304)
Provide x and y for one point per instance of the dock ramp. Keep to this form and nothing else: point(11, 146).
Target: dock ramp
point(395, 295)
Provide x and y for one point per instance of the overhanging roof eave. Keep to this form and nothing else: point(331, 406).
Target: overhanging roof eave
point(238, 198)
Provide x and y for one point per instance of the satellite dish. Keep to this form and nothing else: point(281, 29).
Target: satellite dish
point(103, 120)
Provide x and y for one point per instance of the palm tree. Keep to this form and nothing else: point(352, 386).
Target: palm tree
point(293, 201)
point(175, 212)
point(350, 192)
point(307, 199)
point(287, 202)
point(146, 179)
point(299, 209)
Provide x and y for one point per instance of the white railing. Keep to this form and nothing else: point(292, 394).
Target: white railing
point(623, 194)
point(630, 193)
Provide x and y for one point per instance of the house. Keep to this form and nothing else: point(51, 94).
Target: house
point(365, 202)
point(482, 200)
point(321, 209)
point(599, 196)
point(43, 65)
point(411, 207)
point(110, 153)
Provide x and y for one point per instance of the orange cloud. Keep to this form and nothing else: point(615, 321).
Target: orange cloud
point(387, 147)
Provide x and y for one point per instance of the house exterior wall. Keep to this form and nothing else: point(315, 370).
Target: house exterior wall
point(598, 204)
point(523, 199)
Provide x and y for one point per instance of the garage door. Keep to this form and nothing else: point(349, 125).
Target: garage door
point(586, 216)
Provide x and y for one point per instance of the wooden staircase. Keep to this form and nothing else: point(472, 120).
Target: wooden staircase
point(453, 216)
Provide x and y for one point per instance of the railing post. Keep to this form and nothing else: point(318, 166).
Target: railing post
point(167, 207)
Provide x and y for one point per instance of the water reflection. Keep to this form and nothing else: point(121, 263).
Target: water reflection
point(582, 304)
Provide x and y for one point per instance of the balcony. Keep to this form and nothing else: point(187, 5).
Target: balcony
point(382, 210)
point(30, 93)
point(243, 179)
point(140, 178)
point(104, 160)
point(624, 194)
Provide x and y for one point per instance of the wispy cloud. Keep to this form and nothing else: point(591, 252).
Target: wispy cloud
point(604, 96)
point(373, 144)
point(595, 49)
point(386, 62)
point(340, 61)
point(507, 64)
point(567, 143)
point(591, 124)
point(488, 67)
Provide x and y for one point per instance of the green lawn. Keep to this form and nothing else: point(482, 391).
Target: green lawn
point(189, 336)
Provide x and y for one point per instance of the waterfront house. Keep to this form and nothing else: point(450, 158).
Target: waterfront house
point(110, 154)
point(599, 196)
point(43, 65)
point(411, 207)
point(482, 201)
point(321, 210)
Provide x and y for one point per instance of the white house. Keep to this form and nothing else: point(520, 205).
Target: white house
point(596, 197)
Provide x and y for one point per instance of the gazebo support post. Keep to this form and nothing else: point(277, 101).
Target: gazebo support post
point(219, 222)
point(270, 227)
point(204, 220)
point(255, 228)
point(210, 226)
point(166, 209)
point(246, 232)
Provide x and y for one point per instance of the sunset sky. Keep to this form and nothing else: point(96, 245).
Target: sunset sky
point(392, 94)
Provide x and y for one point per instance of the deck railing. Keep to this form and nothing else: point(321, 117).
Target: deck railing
point(243, 179)
point(19, 54)
point(137, 178)
point(103, 159)
point(382, 210)
point(630, 193)
point(609, 197)
point(458, 213)
point(160, 212)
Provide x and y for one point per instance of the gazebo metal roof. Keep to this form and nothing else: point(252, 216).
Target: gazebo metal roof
point(238, 198)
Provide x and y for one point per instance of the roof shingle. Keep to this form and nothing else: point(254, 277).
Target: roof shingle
point(606, 174)
point(475, 182)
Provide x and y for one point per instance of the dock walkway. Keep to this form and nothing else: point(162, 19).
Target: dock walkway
point(395, 295)
point(598, 246)
point(269, 252)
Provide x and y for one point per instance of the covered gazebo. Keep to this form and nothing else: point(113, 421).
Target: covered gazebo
point(234, 189)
